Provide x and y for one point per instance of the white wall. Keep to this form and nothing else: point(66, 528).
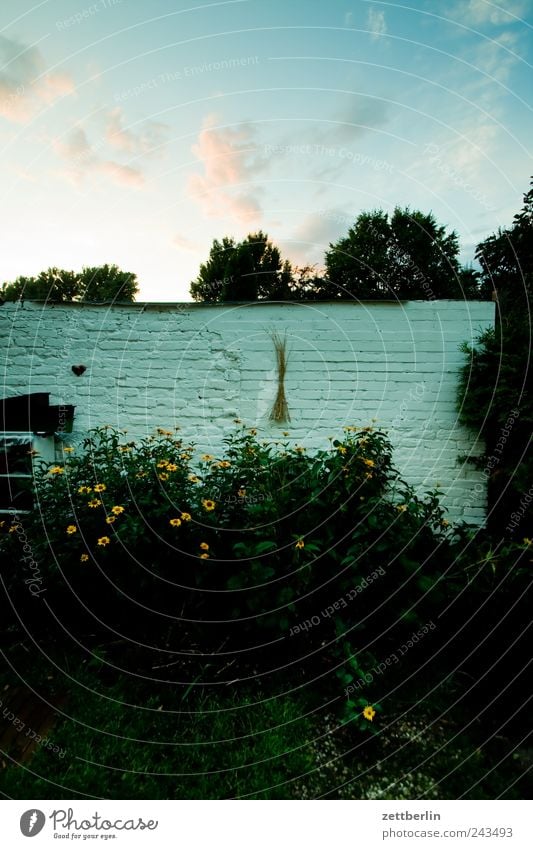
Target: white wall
point(160, 365)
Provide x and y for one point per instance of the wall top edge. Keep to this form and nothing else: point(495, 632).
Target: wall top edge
point(192, 305)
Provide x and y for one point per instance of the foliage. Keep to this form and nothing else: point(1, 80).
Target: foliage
point(495, 387)
point(128, 534)
point(406, 255)
point(100, 283)
point(276, 573)
point(243, 271)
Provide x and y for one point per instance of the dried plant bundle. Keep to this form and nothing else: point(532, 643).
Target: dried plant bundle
point(280, 410)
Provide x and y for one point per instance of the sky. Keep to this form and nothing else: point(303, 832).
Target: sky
point(136, 133)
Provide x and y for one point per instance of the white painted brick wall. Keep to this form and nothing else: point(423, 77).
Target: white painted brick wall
point(160, 365)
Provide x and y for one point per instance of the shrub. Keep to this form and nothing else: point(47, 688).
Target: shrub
point(248, 551)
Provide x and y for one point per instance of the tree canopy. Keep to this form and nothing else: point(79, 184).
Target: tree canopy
point(243, 271)
point(99, 283)
point(506, 260)
point(495, 395)
point(405, 255)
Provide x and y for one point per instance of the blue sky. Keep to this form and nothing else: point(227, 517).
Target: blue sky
point(137, 132)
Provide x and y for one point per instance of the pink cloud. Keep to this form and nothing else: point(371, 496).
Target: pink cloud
point(150, 136)
point(225, 157)
point(122, 175)
point(25, 85)
point(82, 160)
point(185, 244)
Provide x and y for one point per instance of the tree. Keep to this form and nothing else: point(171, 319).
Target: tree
point(108, 283)
point(54, 284)
point(495, 393)
point(243, 271)
point(101, 283)
point(406, 255)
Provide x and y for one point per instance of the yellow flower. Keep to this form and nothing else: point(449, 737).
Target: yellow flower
point(95, 502)
point(100, 487)
point(84, 558)
point(2, 523)
point(117, 509)
point(237, 421)
point(402, 508)
point(140, 475)
point(194, 479)
point(300, 544)
point(285, 433)
point(204, 546)
point(163, 476)
point(252, 431)
point(175, 523)
point(111, 519)
point(162, 432)
point(207, 457)
point(208, 504)
point(369, 463)
point(186, 517)
point(84, 490)
point(71, 529)
point(14, 528)
point(124, 448)
point(162, 464)
point(172, 467)
point(528, 541)
point(104, 541)
point(204, 556)
point(56, 470)
point(300, 449)
point(241, 493)
point(68, 450)
point(185, 456)
point(341, 449)
point(444, 523)
point(224, 464)
point(369, 713)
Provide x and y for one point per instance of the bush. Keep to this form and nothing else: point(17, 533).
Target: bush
point(249, 551)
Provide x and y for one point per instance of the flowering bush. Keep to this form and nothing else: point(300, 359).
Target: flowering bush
point(146, 537)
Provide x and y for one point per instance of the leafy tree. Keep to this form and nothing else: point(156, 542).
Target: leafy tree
point(108, 283)
point(54, 284)
point(495, 393)
point(406, 255)
point(101, 283)
point(243, 271)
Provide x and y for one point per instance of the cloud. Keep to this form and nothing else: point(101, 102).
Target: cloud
point(359, 116)
point(75, 148)
point(185, 244)
point(376, 23)
point(25, 85)
point(225, 157)
point(122, 175)
point(151, 135)
point(83, 161)
point(497, 56)
point(480, 12)
point(315, 233)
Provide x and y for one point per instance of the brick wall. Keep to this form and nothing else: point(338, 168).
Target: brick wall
point(199, 366)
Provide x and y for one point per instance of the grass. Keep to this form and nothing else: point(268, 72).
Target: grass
point(135, 738)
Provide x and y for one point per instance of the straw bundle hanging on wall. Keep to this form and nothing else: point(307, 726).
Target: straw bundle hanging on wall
point(280, 410)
